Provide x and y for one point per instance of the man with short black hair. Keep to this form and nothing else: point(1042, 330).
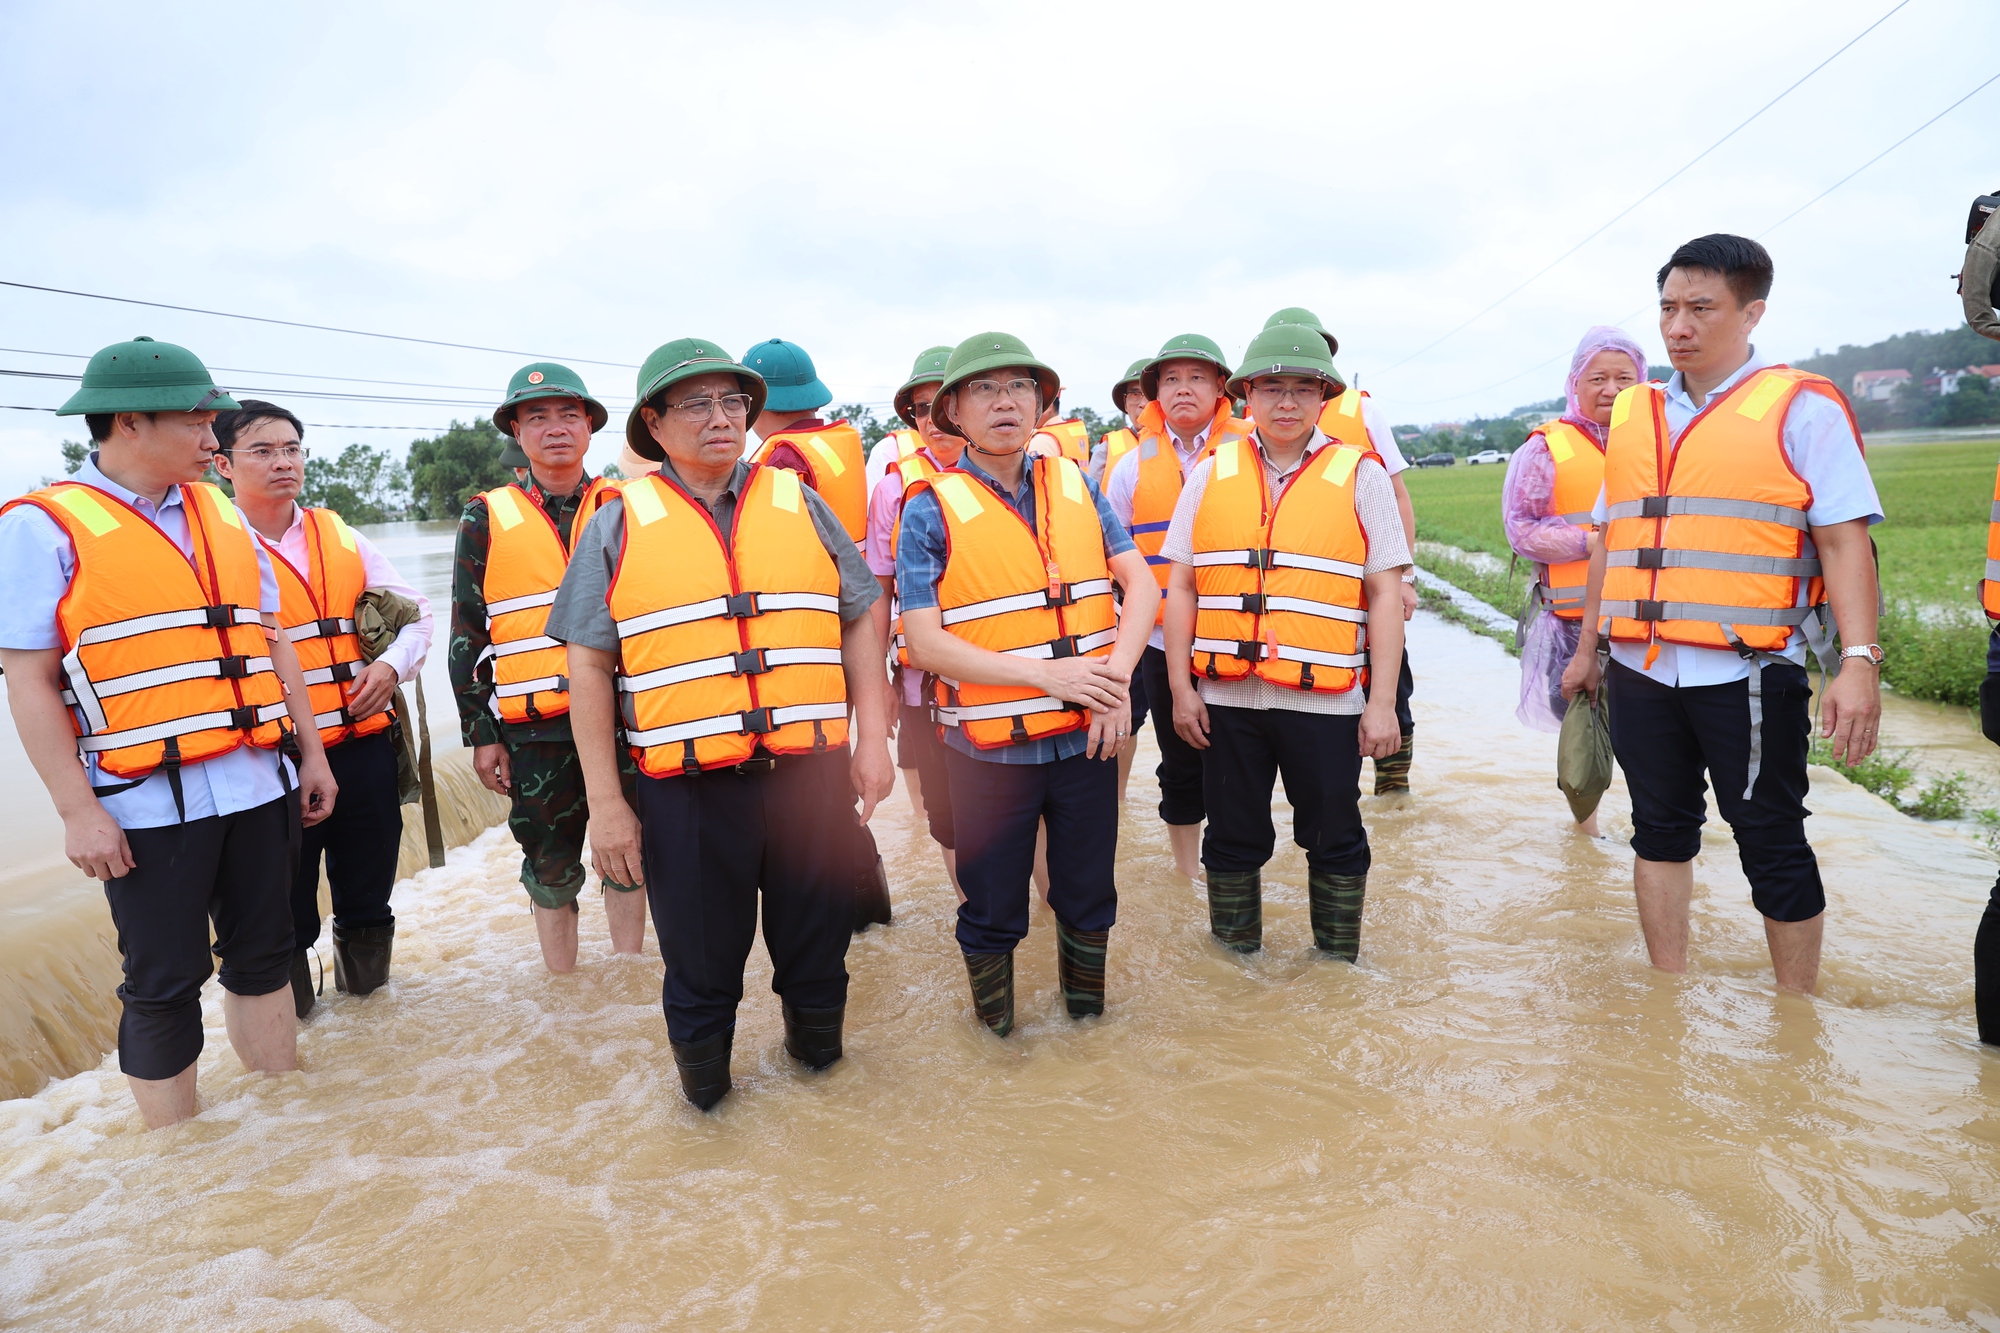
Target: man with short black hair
point(1712, 577)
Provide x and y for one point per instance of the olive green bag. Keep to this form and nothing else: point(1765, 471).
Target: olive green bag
point(379, 616)
point(1583, 753)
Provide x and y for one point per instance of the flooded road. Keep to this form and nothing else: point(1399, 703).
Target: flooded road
point(1502, 1119)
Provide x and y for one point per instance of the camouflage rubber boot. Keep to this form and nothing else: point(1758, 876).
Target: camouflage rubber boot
point(1080, 964)
point(992, 977)
point(1236, 909)
point(1336, 912)
point(1393, 773)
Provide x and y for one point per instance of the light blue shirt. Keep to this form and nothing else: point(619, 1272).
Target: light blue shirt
point(1824, 451)
point(39, 560)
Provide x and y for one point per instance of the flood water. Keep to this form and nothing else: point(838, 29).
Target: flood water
point(1501, 1119)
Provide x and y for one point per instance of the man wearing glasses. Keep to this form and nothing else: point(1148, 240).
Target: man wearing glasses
point(1285, 596)
point(1005, 570)
point(323, 566)
point(509, 676)
point(720, 612)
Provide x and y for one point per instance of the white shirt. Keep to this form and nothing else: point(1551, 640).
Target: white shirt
point(880, 459)
point(1820, 442)
point(1383, 438)
point(1124, 484)
point(413, 642)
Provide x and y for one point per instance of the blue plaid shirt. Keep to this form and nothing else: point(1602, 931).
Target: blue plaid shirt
point(920, 555)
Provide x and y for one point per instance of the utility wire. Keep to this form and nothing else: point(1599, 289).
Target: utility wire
point(286, 374)
point(1648, 194)
point(322, 328)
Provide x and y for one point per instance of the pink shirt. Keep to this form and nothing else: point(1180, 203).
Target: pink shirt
point(885, 506)
point(413, 644)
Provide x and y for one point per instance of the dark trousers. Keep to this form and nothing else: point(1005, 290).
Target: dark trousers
point(998, 807)
point(1179, 769)
point(227, 869)
point(1666, 738)
point(1319, 758)
point(714, 841)
point(918, 747)
point(1986, 970)
point(360, 839)
point(1406, 685)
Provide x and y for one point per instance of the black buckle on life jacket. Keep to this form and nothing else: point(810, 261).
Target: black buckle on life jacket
point(1305, 675)
point(749, 663)
point(757, 722)
point(1250, 650)
point(1650, 557)
point(562, 684)
point(1062, 596)
point(761, 764)
point(1253, 603)
point(1019, 735)
point(819, 737)
point(1648, 611)
point(740, 606)
point(1653, 506)
point(328, 627)
point(689, 764)
point(342, 671)
point(1063, 647)
point(1261, 559)
point(233, 668)
point(244, 718)
point(220, 617)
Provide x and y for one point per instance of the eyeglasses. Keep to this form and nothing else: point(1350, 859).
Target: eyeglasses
point(920, 410)
point(273, 453)
point(989, 391)
point(701, 409)
point(1300, 394)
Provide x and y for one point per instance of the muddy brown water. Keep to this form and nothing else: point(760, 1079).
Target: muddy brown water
point(1503, 1118)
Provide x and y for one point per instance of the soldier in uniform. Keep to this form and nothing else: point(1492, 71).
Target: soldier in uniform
point(509, 677)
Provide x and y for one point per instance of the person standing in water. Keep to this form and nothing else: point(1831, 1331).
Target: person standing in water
point(152, 690)
point(1734, 516)
point(1005, 568)
point(509, 677)
point(1285, 598)
point(719, 613)
point(323, 566)
point(1546, 502)
point(1186, 415)
point(919, 752)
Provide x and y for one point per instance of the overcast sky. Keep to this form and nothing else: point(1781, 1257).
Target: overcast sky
point(591, 180)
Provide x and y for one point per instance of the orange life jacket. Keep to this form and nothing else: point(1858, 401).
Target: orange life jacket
point(1278, 588)
point(727, 642)
point(1159, 485)
point(1707, 540)
point(907, 442)
point(1117, 444)
point(1341, 419)
point(1579, 463)
point(1043, 592)
point(525, 562)
point(911, 468)
point(316, 611)
point(164, 659)
point(1989, 587)
point(1072, 437)
point(836, 467)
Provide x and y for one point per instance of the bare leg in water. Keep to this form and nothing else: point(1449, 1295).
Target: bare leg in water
point(1664, 890)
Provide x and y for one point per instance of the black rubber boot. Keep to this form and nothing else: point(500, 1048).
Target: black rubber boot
point(1986, 971)
point(302, 983)
point(704, 1067)
point(812, 1036)
point(361, 957)
point(1080, 965)
point(1393, 774)
point(992, 977)
point(1336, 912)
point(871, 898)
point(1236, 909)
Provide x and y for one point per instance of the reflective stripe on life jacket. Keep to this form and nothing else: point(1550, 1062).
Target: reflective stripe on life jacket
point(1989, 587)
point(1342, 419)
point(316, 612)
point(726, 642)
point(1579, 464)
point(837, 468)
point(164, 659)
point(1043, 592)
point(1278, 588)
point(911, 469)
point(1117, 444)
point(1707, 541)
point(525, 561)
point(1158, 488)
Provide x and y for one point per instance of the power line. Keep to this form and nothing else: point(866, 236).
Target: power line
point(1648, 194)
point(287, 374)
point(321, 328)
point(316, 425)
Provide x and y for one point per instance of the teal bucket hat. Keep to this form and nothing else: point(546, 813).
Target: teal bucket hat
point(1286, 349)
point(546, 379)
point(146, 376)
point(794, 386)
point(1185, 347)
point(1298, 314)
point(670, 363)
point(929, 369)
point(984, 352)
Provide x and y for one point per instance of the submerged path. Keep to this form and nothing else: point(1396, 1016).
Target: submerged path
point(1503, 1118)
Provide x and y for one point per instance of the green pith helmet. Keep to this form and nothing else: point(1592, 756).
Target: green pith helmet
point(146, 376)
point(670, 363)
point(929, 369)
point(513, 455)
point(1186, 347)
point(1132, 373)
point(1286, 349)
point(1298, 314)
point(984, 352)
point(792, 385)
point(546, 379)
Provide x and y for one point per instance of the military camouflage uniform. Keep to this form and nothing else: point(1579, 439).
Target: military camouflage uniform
point(550, 811)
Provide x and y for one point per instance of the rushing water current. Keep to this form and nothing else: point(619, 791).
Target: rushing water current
point(1502, 1119)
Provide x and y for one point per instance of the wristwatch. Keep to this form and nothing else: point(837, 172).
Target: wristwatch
point(1410, 574)
point(1872, 651)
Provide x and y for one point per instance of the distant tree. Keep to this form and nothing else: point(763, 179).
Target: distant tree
point(862, 417)
point(1975, 404)
point(1660, 373)
point(1915, 352)
point(1541, 411)
point(612, 472)
point(1099, 426)
point(362, 485)
point(74, 452)
point(447, 471)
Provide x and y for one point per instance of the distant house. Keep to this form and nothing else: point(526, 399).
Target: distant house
point(1947, 381)
point(1877, 385)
